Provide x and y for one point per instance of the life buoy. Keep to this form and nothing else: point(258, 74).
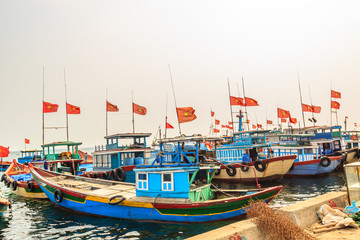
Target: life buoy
point(58, 195)
point(30, 186)
point(325, 161)
point(121, 198)
point(244, 168)
point(121, 174)
point(14, 185)
point(259, 165)
point(8, 183)
point(231, 170)
point(105, 175)
point(218, 171)
point(3, 177)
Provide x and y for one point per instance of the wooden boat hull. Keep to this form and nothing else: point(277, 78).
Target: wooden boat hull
point(145, 208)
point(313, 167)
point(22, 188)
point(275, 169)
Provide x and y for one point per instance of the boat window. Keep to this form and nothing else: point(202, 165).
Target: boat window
point(167, 182)
point(337, 145)
point(141, 181)
point(300, 151)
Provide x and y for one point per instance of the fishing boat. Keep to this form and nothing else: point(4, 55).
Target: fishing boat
point(117, 159)
point(30, 155)
point(248, 148)
point(177, 188)
point(311, 158)
point(18, 177)
point(4, 205)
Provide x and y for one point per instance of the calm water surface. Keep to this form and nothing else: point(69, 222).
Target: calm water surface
point(41, 219)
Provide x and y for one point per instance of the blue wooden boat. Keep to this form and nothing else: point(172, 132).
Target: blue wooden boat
point(116, 160)
point(59, 157)
point(311, 158)
point(245, 158)
point(174, 189)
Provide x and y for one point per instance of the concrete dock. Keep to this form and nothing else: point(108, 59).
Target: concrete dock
point(302, 213)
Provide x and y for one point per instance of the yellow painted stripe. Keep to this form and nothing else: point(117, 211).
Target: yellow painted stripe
point(125, 202)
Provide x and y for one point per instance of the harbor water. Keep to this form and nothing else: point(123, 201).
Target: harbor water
point(41, 219)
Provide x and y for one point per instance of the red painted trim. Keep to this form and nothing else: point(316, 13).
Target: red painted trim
point(266, 161)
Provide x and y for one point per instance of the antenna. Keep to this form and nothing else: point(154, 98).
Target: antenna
point(172, 85)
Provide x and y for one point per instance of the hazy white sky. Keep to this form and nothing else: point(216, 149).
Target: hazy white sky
point(127, 45)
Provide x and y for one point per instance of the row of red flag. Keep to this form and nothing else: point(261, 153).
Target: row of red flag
point(50, 107)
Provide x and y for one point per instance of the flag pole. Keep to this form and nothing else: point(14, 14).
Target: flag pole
point(166, 116)
point(311, 107)
point(247, 119)
point(43, 116)
point(67, 118)
point(172, 85)
point(237, 85)
point(301, 102)
point(330, 104)
point(132, 100)
point(106, 118)
point(232, 120)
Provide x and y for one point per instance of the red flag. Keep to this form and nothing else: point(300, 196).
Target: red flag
point(169, 126)
point(335, 94)
point(217, 122)
point(306, 108)
point(139, 109)
point(227, 126)
point(49, 107)
point(346, 117)
point(335, 105)
point(250, 102)
point(316, 109)
point(236, 101)
point(4, 152)
point(268, 122)
point(355, 124)
point(216, 130)
point(248, 121)
point(259, 126)
point(223, 126)
point(293, 120)
point(71, 109)
point(283, 120)
point(111, 107)
point(186, 114)
point(254, 126)
point(283, 113)
point(27, 141)
point(230, 123)
point(212, 113)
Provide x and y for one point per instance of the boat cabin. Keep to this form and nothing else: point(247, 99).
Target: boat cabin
point(352, 139)
point(124, 149)
point(179, 173)
point(30, 155)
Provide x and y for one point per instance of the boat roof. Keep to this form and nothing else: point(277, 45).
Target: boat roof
point(323, 127)
point(64, 143)
point(128, 135)
point(253, 131)
point(120, 150)
point(297, 135)
point(34, 150)
point(189, 139)
point(353, 131)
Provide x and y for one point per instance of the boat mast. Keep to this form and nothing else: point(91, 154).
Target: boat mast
point(331, 111)
point(132, 100)
point(106, 118)
point(313, 118)
point(165, 116)
point(231, 113)
point(67, 118)
point(172, 85)
point(240, 112)
point(247, 119)
point(43, 115)
point(301, 102)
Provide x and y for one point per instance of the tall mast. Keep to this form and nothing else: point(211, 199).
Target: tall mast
point(43, 117)
point(67, 119)
point(246, 114)
point(237, 85)
point(313, 118)
point(132, 100)
point(172, 85)
point(331, 111)
point(165, 116)
point(301, 102)
point(231, 113)
point(106, 118)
